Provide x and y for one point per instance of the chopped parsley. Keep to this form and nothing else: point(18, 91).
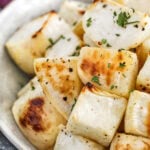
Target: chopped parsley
point(52, 42)
point(117, 34)
point(124, 75)
point(108, 45)
point(75, 100)
point(78, 47)
point(89, 22)
point(122, 64)
point(32, 87)
point(121, 49)
point(77, 52)
point(132, 22)
point(123, 18)
point(96, 80)
point(74, 23)
point(103, 41)
point(87, 45)
point(115, 14)
point(104, 6)
point(133, 10)
point(113, 86)
point(109, 65)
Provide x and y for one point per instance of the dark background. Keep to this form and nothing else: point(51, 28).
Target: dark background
point(5, 144)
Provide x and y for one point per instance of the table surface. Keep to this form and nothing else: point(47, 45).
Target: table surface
point(5, 144)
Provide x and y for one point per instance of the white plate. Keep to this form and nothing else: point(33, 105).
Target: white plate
point(11, 78)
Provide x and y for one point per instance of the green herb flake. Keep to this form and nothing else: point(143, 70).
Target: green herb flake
point(117, 34)
point(123, 18)
point(104, 6)
point(121, 49)
point(109, 65)
point(122, 64)
point(89, 22)
point(74, 23)
point(78, 47)
point(124, 75)
point(132, 22)
point(103, 41)
point(133, 10)
point(77, 52)
point(87, 45)
point(95, 79)
point(52, 42)
point(32, 88)
point(113, 86)
point(114, 13)
point(108, 45)
point(75, 100)
point(62, 37)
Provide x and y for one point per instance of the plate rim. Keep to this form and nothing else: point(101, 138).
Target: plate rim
point(4, 14)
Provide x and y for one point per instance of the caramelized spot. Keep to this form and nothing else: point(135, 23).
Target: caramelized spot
point(95, 1)
point(37, 68)
point(90, 66)
point(37, 32)
point(59, 77)
point(123, 147)
point(66, 86)
point(118, 147)
point(90, 87)
point(59, 67)
point(99, 43)
point(109, 73)
point(44, 24)
point(147, 145)
point(120, 56)
point(97, 64)
point(143, 88)
point(81, 12)
point(53, 11)
point(32, 116)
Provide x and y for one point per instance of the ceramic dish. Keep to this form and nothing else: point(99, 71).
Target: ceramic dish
point(11, 78)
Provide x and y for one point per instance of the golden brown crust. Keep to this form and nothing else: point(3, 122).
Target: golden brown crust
point(129, 142)
point(66, 87)
point(97, 65)
point(32, 116)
